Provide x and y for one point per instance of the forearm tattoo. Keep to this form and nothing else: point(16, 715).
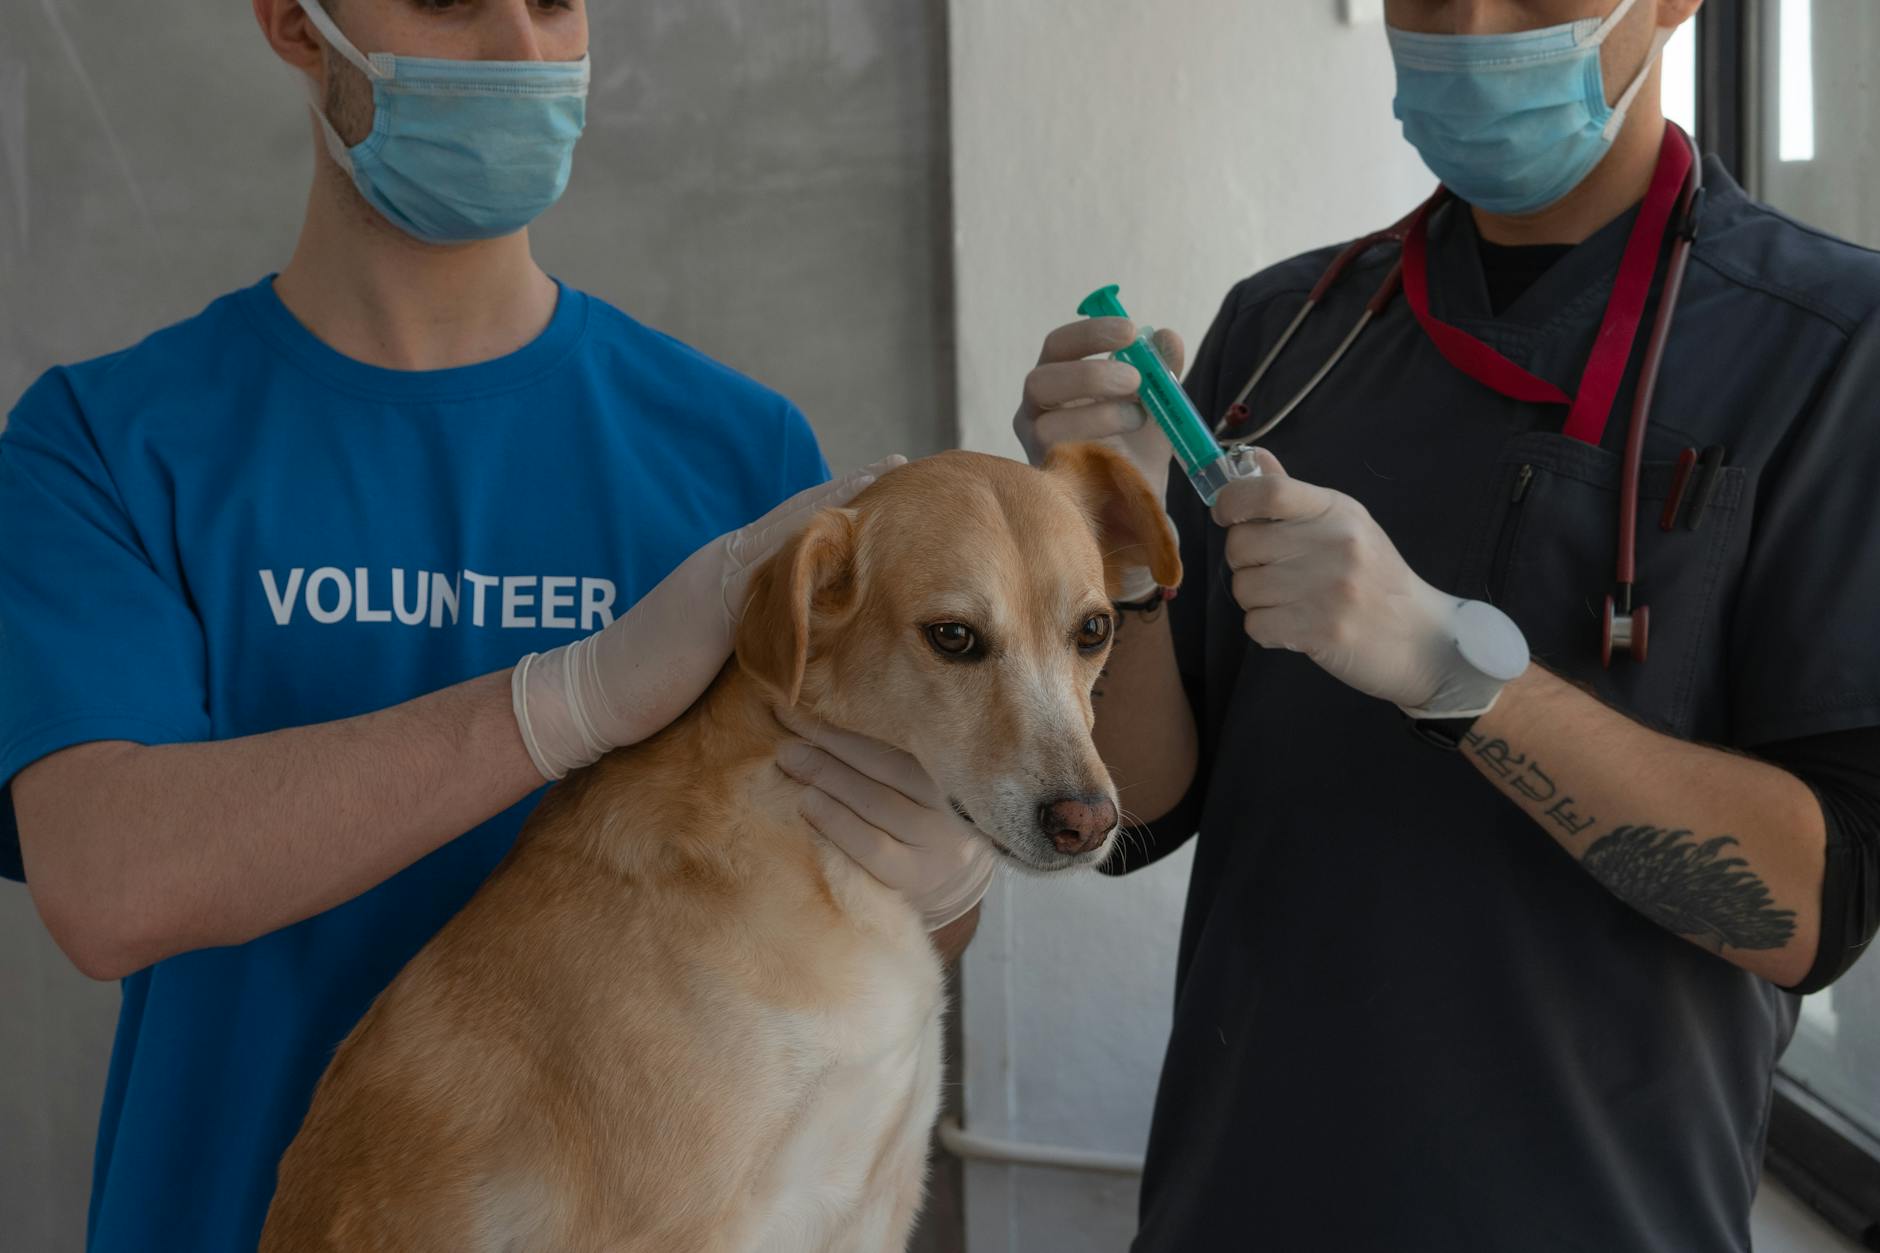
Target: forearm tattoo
point(1691, 888)
point(1524, 777)
point(1687, 886)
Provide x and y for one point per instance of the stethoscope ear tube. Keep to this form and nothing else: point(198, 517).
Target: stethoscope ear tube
point(1331, 363)
point(1239, 414)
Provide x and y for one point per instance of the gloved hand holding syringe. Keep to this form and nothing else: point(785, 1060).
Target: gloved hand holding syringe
point(1208, 466)
point(1438, 657)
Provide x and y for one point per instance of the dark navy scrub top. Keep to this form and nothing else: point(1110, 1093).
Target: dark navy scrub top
point(1404, 1018)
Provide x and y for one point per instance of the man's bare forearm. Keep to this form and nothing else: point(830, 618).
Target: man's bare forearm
point(1722, 849)
point(1145, 729)
point(138, 853)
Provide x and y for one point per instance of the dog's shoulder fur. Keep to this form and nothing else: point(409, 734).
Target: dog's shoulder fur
point(621, 1031)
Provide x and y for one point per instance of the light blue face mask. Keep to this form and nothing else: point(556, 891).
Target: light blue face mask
point(460, 150)
point(1512, 123)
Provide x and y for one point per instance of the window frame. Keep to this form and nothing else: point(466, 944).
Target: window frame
point(1831, 1165)
point(1825, 1161)
point(1728, 70)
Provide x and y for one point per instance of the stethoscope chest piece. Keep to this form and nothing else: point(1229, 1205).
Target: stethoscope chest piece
point(1628, 632)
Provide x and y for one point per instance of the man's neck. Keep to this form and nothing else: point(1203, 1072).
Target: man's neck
point(1616, 184)
point(369, 291)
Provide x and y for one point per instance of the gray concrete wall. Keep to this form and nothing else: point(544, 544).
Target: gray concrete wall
point(766, 181)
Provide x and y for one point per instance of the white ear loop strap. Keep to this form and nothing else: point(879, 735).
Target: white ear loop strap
point(344, 46)
point(1624, 106)
point(323, 22)
point(1612, 19)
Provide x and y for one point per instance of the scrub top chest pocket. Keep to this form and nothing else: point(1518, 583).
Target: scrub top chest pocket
point(1545, 555)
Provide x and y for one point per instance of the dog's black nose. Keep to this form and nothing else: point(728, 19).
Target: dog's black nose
point(1077, 824)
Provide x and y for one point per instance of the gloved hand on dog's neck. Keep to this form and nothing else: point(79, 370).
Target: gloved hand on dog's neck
point(878, 805)
point(621, 685)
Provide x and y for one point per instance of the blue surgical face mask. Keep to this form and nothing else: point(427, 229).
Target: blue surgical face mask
point(1512, 123)
point(460, 150)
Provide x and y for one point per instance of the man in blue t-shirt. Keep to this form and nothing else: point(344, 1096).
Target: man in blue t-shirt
point(268, 576)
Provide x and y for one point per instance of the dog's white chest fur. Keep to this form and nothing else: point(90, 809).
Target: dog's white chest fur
point(855, 1159)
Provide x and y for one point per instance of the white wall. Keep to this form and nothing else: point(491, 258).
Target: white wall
point(1173, 149)
point(1170, 148)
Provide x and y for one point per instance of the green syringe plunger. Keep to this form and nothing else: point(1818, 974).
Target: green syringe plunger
point(1208, 467)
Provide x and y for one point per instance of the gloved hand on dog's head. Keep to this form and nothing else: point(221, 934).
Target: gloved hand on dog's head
point(576, 703)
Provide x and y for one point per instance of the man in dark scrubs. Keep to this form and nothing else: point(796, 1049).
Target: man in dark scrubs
point(1405, 1018)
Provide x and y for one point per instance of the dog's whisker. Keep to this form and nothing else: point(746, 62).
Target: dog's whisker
point(1132, 832)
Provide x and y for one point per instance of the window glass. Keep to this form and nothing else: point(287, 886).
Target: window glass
point(1815, 152)
point(1680, 79)
point(1836, 1053)
point(1817, 117)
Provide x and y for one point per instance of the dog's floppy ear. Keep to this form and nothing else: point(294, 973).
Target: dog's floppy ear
point(812, 572)
point(1132, 527)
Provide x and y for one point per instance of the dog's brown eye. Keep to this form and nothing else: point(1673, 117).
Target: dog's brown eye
point(955, 639)
point(1095, 633)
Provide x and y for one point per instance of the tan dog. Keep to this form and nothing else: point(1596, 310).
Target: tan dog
point(676, 1019)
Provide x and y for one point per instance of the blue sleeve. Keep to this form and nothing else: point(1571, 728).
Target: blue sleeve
point(802, 460)
point(95, 644)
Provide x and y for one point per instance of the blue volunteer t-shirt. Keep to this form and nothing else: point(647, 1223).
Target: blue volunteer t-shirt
point(230, 529)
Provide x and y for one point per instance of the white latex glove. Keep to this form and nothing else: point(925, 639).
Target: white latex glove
point(1317, 575)
point(879, 806)
point(1075, 395)
point(618, 686)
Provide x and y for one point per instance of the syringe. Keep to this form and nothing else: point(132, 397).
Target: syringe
point(1208, 467)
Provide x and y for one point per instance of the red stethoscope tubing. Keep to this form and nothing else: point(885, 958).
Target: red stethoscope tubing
point(1625, 625)
point(1648, 375)
point(1671, 207)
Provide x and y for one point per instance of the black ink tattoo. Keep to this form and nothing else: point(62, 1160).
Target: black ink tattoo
point(1526, 779)
point(1535, 785)
point(1690, 888)
point(1563, 815)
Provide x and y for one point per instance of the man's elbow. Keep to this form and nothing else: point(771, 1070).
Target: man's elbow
point(103, 911)
point(96, 910)
point(96, 959)
point(102, 936)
